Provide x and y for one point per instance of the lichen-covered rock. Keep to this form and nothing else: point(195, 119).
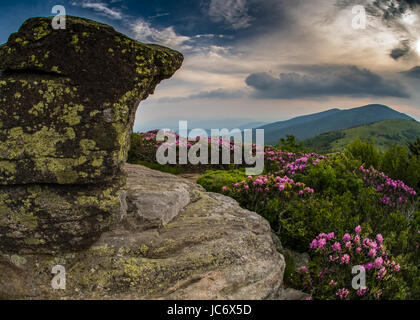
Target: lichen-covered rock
point(68, 100)
point(49, 218)
point(67, 104)
point(210, 249)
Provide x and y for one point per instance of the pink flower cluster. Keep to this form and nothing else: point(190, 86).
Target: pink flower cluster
point(289, 163)
point(395, 193)
point(268, 186)
point(351, 250)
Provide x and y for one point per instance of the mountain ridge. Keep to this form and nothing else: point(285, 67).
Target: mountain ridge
point(312, 125)
point(384, 133)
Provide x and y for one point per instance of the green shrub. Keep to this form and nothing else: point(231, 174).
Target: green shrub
point(333, 176)
point(398, 164)
point(365, 151)
point(214, 180)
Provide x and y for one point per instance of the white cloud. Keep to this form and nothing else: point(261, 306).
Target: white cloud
point(101, 8)
point(232, 12)
point(143, 31)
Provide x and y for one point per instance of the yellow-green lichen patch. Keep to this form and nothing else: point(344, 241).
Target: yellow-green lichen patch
point(25, 218)
point(74, 42)
point(87, 146)
point(63, 168)
point(33, 241)
point(7, 168)
point(37, 109)
point(42, 30)
point(97, 162)
point(37, 144)
point(55, 69)
point(70, 114)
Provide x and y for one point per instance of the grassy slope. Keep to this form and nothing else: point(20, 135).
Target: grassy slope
point(310, 126)
point(384, 133)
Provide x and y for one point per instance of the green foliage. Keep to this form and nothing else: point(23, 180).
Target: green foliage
point(140, 151)
point(365, 151)
point(414, 147)
point(291, 145)
point(333, 176)
point(303, 195)
point(398, 164)
point(214, 180)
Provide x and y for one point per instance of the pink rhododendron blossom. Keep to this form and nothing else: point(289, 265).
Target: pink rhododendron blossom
point(333, 283)
point(378, 262)
point(303, 269)
point(361, 292)
point(345, 259)
point(346, 237)
point(372, 253)
point(342, 293)
point(336, 246)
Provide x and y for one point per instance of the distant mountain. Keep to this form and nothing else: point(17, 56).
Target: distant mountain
point(251, 125)
point(309, 126)
point(229, 123)
point(384, 133)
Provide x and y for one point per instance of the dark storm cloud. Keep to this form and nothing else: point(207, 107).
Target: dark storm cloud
point(246, 19)
point(390, 12)
point(401, 51)
point(321, 81)
point(413, 73)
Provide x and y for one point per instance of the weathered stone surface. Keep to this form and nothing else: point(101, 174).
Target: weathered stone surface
point(211, 249)
point(293, 294)
point(49, 218)
point(67, 104)
point(68, 100)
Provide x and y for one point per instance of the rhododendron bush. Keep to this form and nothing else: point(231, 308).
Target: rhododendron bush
point(330, 274)
point(395, 193)
point(267, 194)
point(304, 194)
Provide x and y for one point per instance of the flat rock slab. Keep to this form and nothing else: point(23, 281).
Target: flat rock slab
point(205, 247)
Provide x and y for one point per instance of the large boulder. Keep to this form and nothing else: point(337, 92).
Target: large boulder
point(207, 248)
point(69, 97)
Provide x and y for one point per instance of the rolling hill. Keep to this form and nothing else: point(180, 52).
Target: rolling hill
point(306, 127)
point(384, 133)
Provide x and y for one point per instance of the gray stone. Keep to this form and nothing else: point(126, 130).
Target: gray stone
point(209, 248)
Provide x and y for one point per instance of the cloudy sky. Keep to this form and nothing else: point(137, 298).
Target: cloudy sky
point(263, 60)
